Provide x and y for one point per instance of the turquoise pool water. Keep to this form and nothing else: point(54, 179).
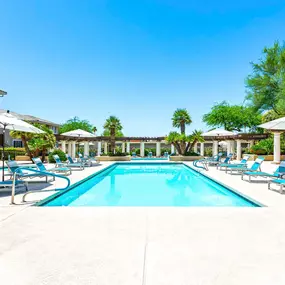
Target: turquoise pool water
point(149, 184)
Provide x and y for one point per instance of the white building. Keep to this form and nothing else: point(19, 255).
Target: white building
point(30, 119)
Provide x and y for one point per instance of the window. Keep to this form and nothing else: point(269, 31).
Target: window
point(17, 143)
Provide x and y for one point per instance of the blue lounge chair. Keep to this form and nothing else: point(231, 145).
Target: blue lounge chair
point(73, 164)
point(134, 154)
point(13, 166)
point(59, 163)
point(280, 182)
point(278, 173)
point(214, 159)
point(149, 154)
point(9, 184)
point(255, 167)
point(86, 160)
point(242, 163)
point(225, 162)
point(41, 167)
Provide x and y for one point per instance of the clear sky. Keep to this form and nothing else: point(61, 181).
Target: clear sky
point(136, 59)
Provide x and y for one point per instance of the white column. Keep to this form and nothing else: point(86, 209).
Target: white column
point(172, 149)
point(123, 147)
point(63, 146)
point(99, 146)
point(158, 149)
point(86, 148)
point(238, 149)
point(128, 147)
point(228, 147)
point(276, 148)
point(196, 147)
point(232, 149)
point(142, 149)
point(73, 151)
point(215, 147)
point(202, 148)
point(105, 148)
point(69, 148)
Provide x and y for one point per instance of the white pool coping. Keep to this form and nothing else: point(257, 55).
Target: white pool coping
point(146, 245)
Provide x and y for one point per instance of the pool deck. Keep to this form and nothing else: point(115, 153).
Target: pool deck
point(143, 245)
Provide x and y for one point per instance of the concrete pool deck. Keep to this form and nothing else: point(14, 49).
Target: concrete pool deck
point(143, 245)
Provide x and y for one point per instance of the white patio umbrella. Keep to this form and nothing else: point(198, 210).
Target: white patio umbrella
point(78, 133)
point(9, 122)
point(278, 125)
point(217, 133)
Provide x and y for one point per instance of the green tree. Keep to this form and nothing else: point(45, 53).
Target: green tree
point(180, 119)
point(106, 133)
point(113, 125)
point(270, 116)
point(184, 143)
point(25, 137)
point(74, 124)
point(42, 142)
point(232, 117)
point(266, 84)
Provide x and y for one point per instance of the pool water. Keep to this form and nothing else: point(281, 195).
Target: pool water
point(149, 184)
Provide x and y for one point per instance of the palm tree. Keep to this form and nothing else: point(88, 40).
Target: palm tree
point(42, 142)
point(25, 137)
point(180, 119)
point(113, 125)
point(194, 138)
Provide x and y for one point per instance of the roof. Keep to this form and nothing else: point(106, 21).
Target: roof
point(31, 119)
point(278, 125)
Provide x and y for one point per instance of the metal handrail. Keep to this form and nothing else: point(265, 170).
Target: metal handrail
point(44, 173)
point(204, 164)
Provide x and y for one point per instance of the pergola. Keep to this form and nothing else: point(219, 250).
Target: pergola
point(276, 127)
point(126, 142)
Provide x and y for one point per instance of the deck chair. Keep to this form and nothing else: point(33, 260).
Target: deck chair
point(41, 167)
point(13, 166)
point(255, 167)
point(226, 161)
point(280, 182)
point(278, 173)
point(86, 160)
point(242, 163)
point(73, 164)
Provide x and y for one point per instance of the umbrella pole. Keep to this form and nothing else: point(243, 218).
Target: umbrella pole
point(3, 149)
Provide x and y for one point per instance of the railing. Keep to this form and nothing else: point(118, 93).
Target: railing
point(41, 173)
point(203, 166)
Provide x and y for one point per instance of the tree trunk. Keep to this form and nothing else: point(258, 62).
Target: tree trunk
point(113, 139)
point(24, 139)
point(177, 146)
point(43, 154)
point(182, 128)
point(190, 146)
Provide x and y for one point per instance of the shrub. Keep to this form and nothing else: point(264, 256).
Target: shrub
point(256, 149)
point(208, 151)
point(191, 153)
point(263, 147)
point(12, 152)
point(59, 152)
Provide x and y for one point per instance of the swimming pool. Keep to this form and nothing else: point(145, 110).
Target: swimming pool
point(149, 184)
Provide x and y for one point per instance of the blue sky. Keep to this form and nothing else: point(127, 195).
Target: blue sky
point(138, 60)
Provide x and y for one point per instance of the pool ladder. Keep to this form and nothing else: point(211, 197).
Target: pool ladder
point(203, 166)
point(44, 173)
